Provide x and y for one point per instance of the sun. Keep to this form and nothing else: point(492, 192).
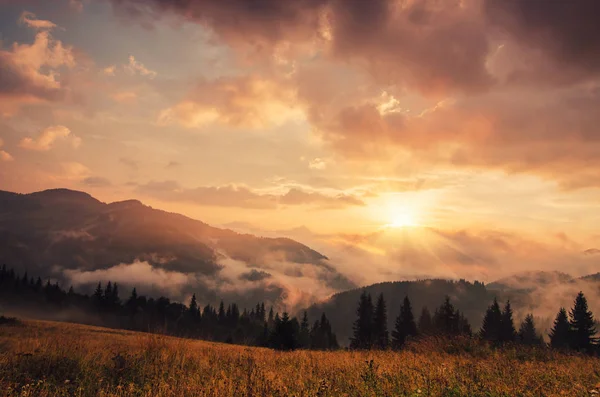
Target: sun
point(402, 218)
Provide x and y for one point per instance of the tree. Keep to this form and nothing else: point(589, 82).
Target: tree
point(425, 322)
point(582, 325)
point(404, 326)
point(285, 333)
point(490, 328)
point(380, 331)
point(528, 335)
point(561, 330)
point(507, 325)
point(304, 336)
point(98, 296)
point(363, 326)
point(445, 320)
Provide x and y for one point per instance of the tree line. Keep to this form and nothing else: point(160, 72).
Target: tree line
point(575, 331)
point(254, 326)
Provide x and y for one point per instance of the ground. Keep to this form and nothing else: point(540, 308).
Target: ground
point(59, 359)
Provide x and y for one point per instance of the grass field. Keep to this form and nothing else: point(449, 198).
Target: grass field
point(58, 359)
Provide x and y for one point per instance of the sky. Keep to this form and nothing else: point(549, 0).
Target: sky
point(470, 124)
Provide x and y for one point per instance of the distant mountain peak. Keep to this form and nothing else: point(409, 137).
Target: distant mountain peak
point(62, 194)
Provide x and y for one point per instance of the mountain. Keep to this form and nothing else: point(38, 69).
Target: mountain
point(74, 238)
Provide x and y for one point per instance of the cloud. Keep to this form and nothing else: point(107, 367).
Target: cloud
point(109, 70)
point(48, 137)
point(299, 197)
point(566, 34)
point(74, 171)
point(246, 101)
point(432, 46)
point(30, 73)
point(243, 197)
point(5, 156)
point(96, 181)
point(77, 5)
point(222, 196)
point(255, 275)
point(29, 19)
point(317, 164)
point(141, 273)
point(134, 67)
point(173, 164)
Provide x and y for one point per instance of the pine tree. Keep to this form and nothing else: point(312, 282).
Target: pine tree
point(445, 320)
point(304, 336)
point(528, 335)
point(404, 326)
point(221, 315)
point(582, 325)
point(507, 325)
point(425, 322)
point(380, 331)
point(108, 292)
point(193, 308)
point(561, 331)
point(492, 322)
point(98, 295)
point(363, 326)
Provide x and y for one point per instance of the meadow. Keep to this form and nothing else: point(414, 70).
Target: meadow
point(59, 359)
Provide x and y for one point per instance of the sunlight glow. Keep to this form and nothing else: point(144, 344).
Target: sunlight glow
point(402, 217)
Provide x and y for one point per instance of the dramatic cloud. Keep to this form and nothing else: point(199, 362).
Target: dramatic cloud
point(433, 46)
point(48, 137)
point(566, 33)
point(31, 73)
point(243, 196)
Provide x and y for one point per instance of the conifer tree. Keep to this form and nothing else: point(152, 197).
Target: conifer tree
point(380, 331)
point(528, 335)
point(98, 294)
point(363, 326)
point(405, 325)
point(492, 322)
point(108, 292)
point(582, 325)
point(221, 315)
point(304, 336)
point(561, 331)
point(425, 322)
point(445, 320)
point(507, 325)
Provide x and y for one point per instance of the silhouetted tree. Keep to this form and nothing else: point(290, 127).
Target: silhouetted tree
point(492, 323)
point(528, 335)
point(304, 336)
point(507, 325)
point(425, 322)
point(363, 326)
point(380, 331)
point(561, 331)
point(404, 326)
point(582, 325)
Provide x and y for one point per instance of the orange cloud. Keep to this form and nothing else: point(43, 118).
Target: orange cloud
point(48, 137)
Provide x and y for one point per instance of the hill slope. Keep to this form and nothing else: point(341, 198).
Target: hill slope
point(71, 236)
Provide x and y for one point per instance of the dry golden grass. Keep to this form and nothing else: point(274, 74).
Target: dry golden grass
point(58, 359)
